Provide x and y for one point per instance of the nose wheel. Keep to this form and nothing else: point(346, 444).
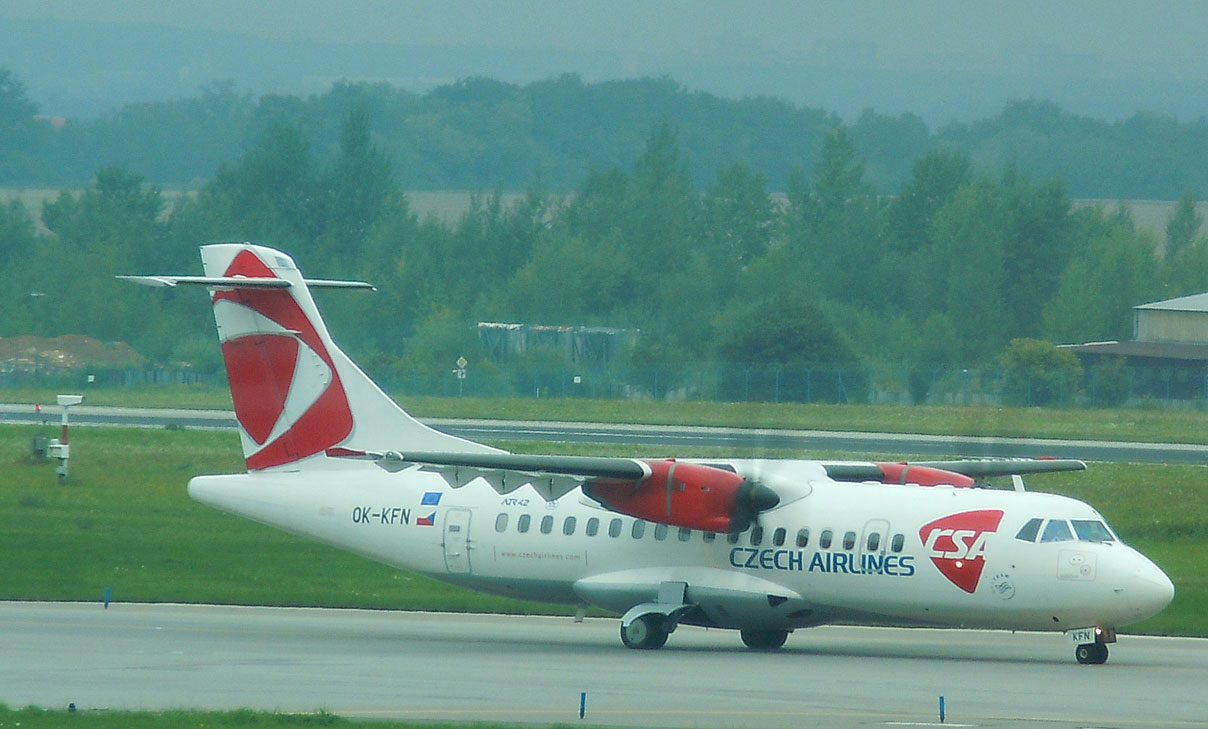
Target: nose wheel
point(1091, 653)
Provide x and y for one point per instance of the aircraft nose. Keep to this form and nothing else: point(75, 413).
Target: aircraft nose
point(1151, 590)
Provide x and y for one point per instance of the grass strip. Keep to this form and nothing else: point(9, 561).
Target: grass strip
point(40, 718)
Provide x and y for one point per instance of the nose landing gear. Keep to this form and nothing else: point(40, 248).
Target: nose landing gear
point(1091, 653)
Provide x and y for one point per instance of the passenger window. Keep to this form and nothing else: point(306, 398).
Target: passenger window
point(756, 536)
point(614, 528)
point(593, 527)
point(547, 524)
point(709, 536)
point(849, 540)
point(685, 534)
point(732, 537)
point(660, 531)
point(522, 524)
point(874, 542)
point(639, 529)
point(568, 526)
point(824, 541)
point(1029, 531)
point(1057, 530)
point(501, 523)
point(899, 541)
point(1089, 530)
point(778, 537)
point(803, 538)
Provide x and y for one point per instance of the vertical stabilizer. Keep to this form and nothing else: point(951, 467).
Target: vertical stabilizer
point(295, 392)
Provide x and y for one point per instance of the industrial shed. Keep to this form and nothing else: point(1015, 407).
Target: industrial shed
point(1168, 355)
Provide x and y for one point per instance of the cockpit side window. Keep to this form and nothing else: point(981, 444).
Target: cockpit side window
point(1057, 530)
point(1029, 531)
point(1090, 530)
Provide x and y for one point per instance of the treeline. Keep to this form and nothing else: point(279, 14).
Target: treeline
point(944, 274)
point(478, 133)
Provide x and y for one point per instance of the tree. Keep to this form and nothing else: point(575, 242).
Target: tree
point(272, 193)
point(1182, 227)
point(108, 230)
point(20, 146)
point(738, 217)
point(835, 224)
point(934, 180)
point(966, 271)
point(1185, 263)
point(355, 191)
point(1038, 373)
point(777, 340)
point(1038, 244)
point(1098, 289)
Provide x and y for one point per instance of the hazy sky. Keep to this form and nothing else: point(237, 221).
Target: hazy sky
point(941, 59)
point(920, 33)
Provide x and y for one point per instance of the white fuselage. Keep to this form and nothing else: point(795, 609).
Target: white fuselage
point(837, 552)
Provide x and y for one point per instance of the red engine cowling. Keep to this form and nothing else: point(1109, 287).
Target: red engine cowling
point(687, 495)
point(923, 475)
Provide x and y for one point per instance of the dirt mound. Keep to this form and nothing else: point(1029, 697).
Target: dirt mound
point(68, 351)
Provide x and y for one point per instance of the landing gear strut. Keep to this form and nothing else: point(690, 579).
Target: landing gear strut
point(646, 632)
point(1091, 653)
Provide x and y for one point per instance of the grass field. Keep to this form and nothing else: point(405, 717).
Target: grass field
point(124, 522)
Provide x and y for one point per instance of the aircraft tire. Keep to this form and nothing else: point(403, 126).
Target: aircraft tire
point(644, 633)
point(1092, 654)
point(765, 640)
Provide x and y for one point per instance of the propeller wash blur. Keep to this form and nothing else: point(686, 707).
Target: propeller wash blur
point(761, 546)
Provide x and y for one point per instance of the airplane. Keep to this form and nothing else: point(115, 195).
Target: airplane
point(765, 547)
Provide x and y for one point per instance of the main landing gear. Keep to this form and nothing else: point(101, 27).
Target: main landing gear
point(646, 632)
point(1091, 653)
point(649, 632)
point(764, 640)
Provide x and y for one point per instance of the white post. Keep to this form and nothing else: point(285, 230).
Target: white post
point(59, 447)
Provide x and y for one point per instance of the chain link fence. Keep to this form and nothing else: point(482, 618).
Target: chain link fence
point(1098, 387)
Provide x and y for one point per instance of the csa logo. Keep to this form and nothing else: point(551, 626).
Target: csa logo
point(956, 544)
point(288, 396)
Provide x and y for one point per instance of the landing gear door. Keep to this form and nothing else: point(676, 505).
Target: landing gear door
point(457, 541)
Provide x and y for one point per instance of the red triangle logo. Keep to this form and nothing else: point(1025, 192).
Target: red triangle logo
point(956, 544)
point(263, 371)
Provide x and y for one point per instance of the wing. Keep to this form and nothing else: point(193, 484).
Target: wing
point(690, 495)
point(949, 473)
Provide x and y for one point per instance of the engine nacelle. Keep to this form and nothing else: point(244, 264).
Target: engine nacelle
point(922, 475)
point(687, 495)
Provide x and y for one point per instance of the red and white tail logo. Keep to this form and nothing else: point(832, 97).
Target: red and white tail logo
point(957, 544)
point(287, 392)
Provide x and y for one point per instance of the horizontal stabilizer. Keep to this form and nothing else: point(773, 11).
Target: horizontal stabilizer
point(241, 282)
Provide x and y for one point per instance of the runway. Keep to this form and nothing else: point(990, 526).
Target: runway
point(674, 436)
point(450, 667)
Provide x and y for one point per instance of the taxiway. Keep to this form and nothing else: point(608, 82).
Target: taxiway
point(485, 668)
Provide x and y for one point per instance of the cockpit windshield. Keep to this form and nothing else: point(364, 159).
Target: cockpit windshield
point(1058, 530)
point(1089, 530)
